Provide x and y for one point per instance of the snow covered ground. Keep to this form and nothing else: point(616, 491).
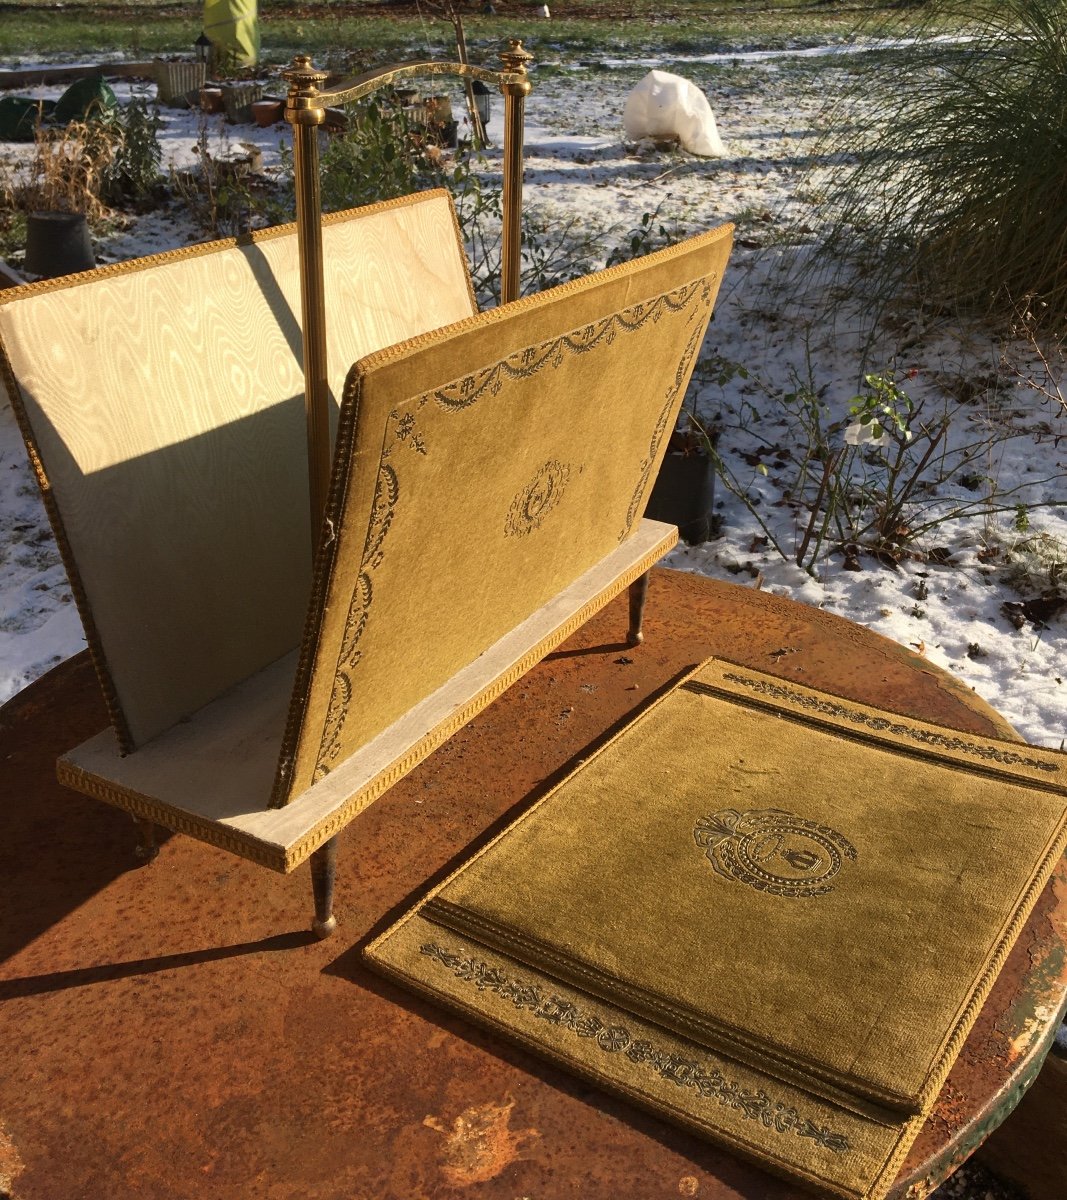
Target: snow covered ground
point(947, 601)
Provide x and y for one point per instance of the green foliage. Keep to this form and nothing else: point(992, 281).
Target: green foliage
point(958, 196)
point(133, 174)
point(379, 156)
point(649, 234)
point(869, 478)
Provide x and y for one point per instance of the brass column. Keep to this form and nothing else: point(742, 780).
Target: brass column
point(515, 59)
point(305, 112)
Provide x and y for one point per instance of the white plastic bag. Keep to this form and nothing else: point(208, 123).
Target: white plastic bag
point(664, 105)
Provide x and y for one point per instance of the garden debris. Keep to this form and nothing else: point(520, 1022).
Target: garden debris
point(1039, 611)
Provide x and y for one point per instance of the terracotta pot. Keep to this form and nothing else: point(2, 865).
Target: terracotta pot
point(211, 99)
point(267, 112)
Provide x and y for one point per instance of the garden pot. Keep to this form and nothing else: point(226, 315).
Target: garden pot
point(58, 243)
point(237, 100)
point(684, 495)
point(267, 112)
point(211, 99)
point(175, 80)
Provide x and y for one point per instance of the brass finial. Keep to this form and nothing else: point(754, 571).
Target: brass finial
point(302, 105)
point(515, 57)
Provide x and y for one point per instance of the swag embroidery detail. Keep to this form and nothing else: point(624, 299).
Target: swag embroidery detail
point(710, 1083)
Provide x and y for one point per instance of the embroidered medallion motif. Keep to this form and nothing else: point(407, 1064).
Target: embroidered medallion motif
point(773, 851)
point(537, 499)
point(707, 1080)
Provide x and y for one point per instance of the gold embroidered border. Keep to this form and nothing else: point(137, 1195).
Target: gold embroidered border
point(215, 833)
point(710, 1083)
point(943, 741)
point(462, 393)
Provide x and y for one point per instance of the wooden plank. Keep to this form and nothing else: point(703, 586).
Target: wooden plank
point(37, 76)
point(210, 776)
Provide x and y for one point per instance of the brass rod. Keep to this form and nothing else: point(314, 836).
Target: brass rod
point(372, 81)
point(305, 113)
point(515, 92)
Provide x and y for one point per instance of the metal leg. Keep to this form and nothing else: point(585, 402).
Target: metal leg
point(638, 596)
point(323, 872)
point(146, 848)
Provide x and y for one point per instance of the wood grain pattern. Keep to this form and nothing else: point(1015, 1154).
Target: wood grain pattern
point(166, 404)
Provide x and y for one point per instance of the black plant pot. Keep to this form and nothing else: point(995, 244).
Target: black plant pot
point(684, 494)
point(58, 243)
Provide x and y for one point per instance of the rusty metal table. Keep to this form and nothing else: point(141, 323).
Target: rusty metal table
point(163, 1035)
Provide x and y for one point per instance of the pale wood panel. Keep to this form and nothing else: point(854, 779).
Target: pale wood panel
point(166, 401)
point(210, 776)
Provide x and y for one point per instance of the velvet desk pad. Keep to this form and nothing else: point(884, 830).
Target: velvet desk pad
point(767, 914)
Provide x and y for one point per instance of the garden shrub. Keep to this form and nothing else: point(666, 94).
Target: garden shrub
point(959, 194)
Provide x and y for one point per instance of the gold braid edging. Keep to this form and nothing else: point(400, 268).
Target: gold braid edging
point(215, 833)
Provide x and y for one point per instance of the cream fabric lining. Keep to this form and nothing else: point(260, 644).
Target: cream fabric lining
point(165, 403)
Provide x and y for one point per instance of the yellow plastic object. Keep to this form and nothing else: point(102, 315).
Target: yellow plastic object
point(233, 27)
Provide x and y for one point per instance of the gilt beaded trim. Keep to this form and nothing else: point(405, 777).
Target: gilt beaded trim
point(832, 708)
point(684, 1072)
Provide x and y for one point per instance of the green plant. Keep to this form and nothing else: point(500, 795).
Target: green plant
point(378, 156)
point(958, 196)
point(133, 174)
point(649, 234)
point(868, 479)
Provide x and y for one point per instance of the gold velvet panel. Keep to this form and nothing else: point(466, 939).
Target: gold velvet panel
point(498, 459)
point(162, 402)
point(813, 892)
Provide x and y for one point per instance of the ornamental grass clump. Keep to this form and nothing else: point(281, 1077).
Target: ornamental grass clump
point(960, 193)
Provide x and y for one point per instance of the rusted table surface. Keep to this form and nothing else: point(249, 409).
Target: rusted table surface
point(173, 1032)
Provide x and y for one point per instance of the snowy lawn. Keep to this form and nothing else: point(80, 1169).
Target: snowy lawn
point(975, 595)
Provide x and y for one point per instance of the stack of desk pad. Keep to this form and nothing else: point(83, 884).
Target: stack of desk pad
point(768, 914)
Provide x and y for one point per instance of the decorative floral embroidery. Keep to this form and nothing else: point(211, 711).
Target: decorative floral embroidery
point(386, 496)
point(537, 499)
point(521, 365)
point(710, 1083)
point(945, 741)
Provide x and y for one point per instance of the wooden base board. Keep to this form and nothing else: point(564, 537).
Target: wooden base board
point(211, 776)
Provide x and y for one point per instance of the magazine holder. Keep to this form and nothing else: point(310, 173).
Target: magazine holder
point(267, 678)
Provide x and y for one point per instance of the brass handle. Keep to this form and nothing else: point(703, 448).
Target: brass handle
point(305, 109)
